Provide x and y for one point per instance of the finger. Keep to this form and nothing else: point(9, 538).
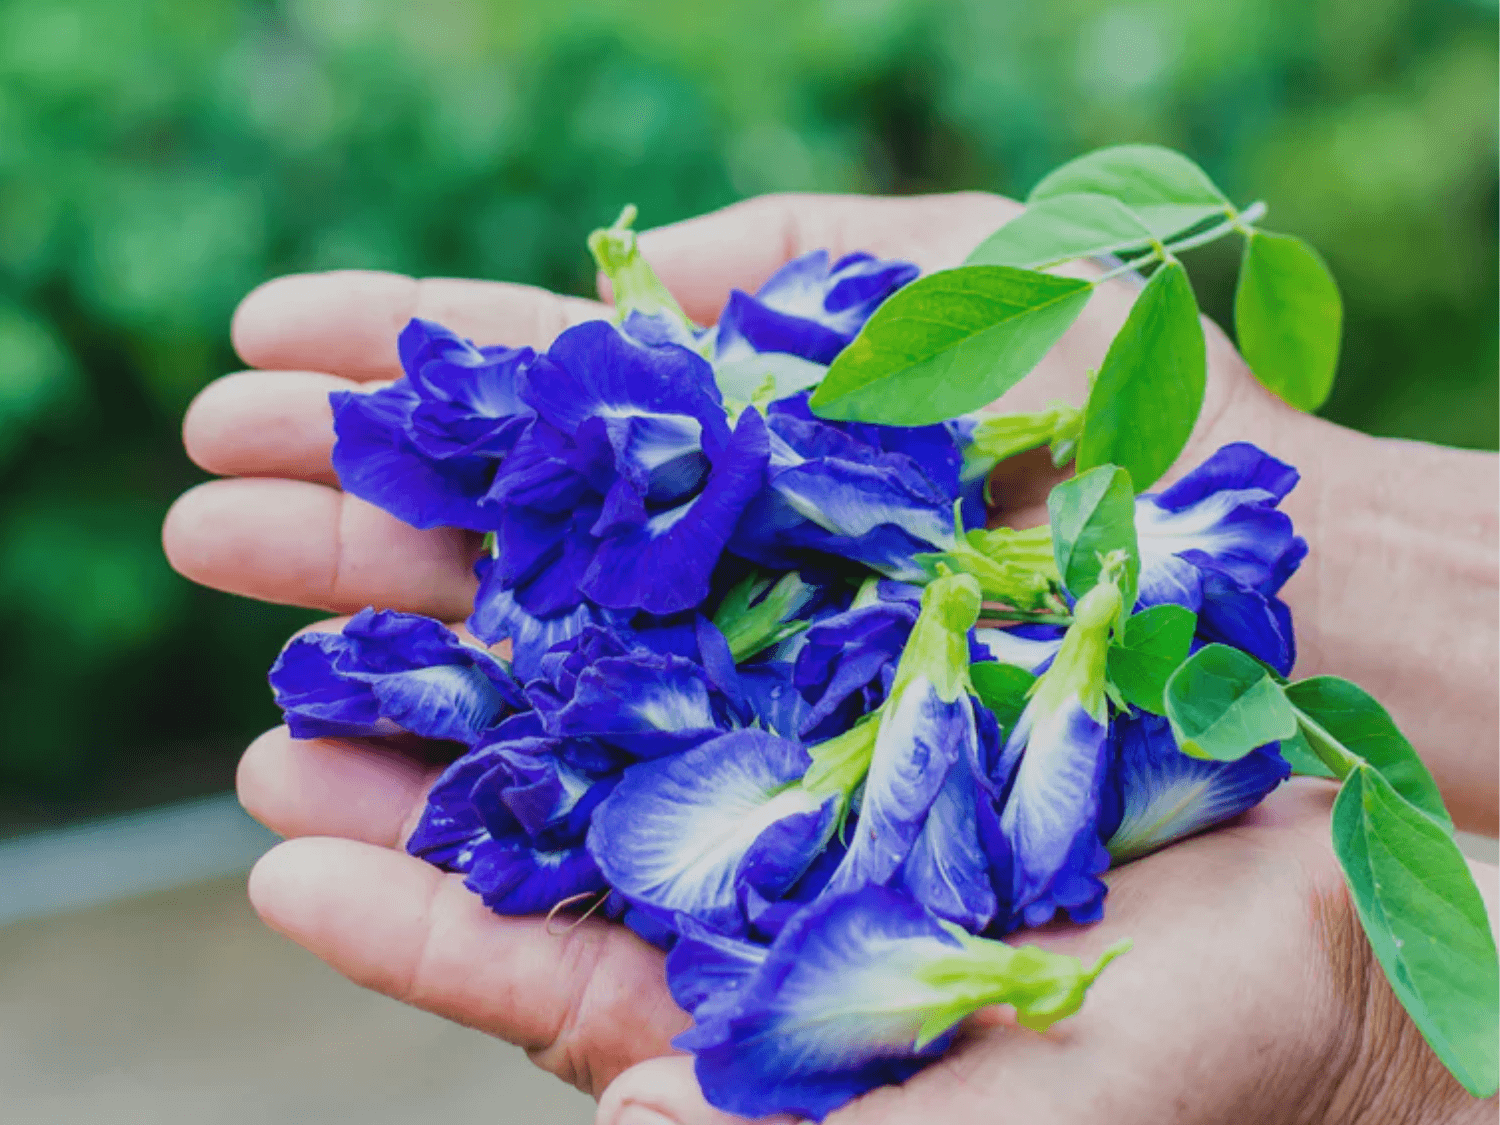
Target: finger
point(329, 787)
point(739, 247)
point(303, 544)
point(586, 1004)
point(265, 423)
point(346, 322)
point(664, 1092)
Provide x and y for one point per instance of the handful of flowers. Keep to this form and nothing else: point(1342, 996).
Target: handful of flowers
point(778, 699)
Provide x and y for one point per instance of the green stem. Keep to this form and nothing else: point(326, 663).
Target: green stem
point(1234, 221)
point(1330, 751)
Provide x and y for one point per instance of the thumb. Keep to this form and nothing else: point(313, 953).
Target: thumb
point(664, 1092)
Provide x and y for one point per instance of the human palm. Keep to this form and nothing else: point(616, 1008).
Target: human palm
point(1219, 982)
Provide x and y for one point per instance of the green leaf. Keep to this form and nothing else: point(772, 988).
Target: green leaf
point(1301, 757)
point(1093, 514)
point(1003, 689)
point(1360, 726)
point(1146, 399)
point(1166, 190)
point(949, 343)
point(1063, 227)
point(1158, 642)
point(753, 615)
point(1426, 923)
point(1288, 316)
point(1222, 704)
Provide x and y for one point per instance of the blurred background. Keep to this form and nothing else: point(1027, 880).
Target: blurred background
point(158, 158)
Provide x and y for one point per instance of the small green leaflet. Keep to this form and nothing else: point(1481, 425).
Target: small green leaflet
point(948, 343)
point(1003, 689)
point(1288, 316)
point(1143, 405)
point(1222, 704)
point(1055, 230)
point(741, 380)
point(1334, 709)
point(1302, 759)
point(1426, 923)
point(1093, 514)
point(1157, 642)
point(753, 615)
point(1166, 190)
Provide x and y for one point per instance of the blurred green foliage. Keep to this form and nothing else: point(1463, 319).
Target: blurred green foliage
point(160, 157)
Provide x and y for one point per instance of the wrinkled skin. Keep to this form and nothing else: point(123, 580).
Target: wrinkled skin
point(1249, 995)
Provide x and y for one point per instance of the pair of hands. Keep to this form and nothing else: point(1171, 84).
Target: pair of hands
point(1249, 994)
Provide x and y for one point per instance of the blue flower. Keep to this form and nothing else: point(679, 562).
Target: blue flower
point(846, 662)
point(388, 672)
point(707, 969)
point(627, 487)
point(512, 816)
point(498, 616)
point(918, 818)
point(875, 495)
point(809, 308)
point(1156, 794)
point(856, 992)
point(426, 448)
point(689, 833)
point(1215, 543)
point(1044, 843)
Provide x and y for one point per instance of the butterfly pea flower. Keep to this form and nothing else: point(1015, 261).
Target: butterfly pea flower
point(626, 487)
point(1156, 794)
point(426, 448)
point(387, 672)
point(918, 828)
point(512, 816)
point(688, 833)
point(859, 991)
point(874, 495)
point(706, 969)
point(847, 661)
point(809, 307)
point(1216, 543)
point(499, 617)
point(1044, 844)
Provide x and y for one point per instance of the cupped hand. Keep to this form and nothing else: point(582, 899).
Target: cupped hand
point(589, 1004)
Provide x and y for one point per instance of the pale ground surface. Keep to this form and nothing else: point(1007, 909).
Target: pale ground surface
point(180, 1008)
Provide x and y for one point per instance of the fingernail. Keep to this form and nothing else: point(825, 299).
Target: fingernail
point(641, 1115)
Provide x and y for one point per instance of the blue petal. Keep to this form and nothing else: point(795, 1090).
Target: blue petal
point(1048, 849)
point(513, 877)
point(706, 969)
point(675, 833)
point(1247, 619)
point(748, 326)
point(774, 701)
point(469, 402)
point(664, 565)
point(647, 704)
point(1235, 467)
point(919, 742)
point(390, 671)
point(498, 616)
point(377, 461)
point(833, 1012)
point(451, 828)
point(594, 370)
point(1159, 794)
point(947, 870)
point(845, 654)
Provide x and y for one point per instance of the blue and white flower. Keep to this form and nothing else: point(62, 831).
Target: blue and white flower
point(860, 991)
point(1215, 543)
point(1044, 844)
point(918, 821)
point(687, 834)
point(388, 672)
point(1156, 794)
point(809, 308)
point(626, 488)
point(426, 448)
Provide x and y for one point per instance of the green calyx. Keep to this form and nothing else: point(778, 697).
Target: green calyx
point(1016, 568)
point(635, 284)
point(1004, 435)
point(753, 615)
point(1042, 987)
point(1081, 663)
